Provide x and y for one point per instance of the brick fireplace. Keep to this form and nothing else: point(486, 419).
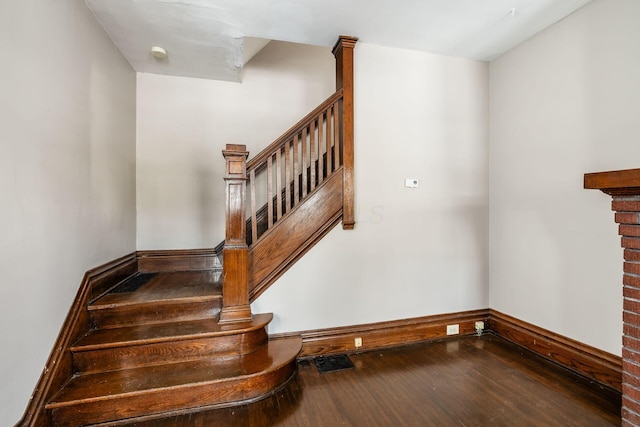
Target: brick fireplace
point(624, 188)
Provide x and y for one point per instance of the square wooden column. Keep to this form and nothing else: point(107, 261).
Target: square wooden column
point(235, 255)
point(343, 52)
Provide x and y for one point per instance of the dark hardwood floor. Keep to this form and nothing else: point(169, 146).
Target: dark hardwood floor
point(469, 381)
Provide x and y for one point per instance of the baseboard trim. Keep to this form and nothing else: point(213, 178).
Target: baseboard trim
point(385, 334)
point(597, 365)
point(178, 260)
point(59, 369)
point(594, 364)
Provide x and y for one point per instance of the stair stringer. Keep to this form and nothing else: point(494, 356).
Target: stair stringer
point(297, 232)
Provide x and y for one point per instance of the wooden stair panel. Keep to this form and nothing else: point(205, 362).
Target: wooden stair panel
point(175, 310)
point(168, 285)
point(129, 347)
point(108, 396)
point(262, 218)
point(288, 240)
point(166, 297)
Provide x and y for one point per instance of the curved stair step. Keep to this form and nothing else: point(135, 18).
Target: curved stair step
point(108, 396)
point(135, 346)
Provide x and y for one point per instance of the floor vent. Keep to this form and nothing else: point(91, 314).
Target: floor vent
point(337, 362)
point(133, 284)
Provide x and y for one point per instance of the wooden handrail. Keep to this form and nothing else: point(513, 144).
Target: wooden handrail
point(295, 167)
point(295, 129)
point(294, 170)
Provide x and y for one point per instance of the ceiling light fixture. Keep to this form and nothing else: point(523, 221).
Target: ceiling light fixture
point(159, 52)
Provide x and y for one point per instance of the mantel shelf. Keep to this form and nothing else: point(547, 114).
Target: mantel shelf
point(616, 183)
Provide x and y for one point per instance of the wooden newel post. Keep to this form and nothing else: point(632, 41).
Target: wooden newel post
point(343, 52)
point(235, 282)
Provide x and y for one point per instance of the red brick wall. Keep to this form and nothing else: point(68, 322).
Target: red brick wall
point(628, 216)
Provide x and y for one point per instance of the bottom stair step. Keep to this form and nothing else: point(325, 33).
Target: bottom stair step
point(110, 396)
point(130, 347)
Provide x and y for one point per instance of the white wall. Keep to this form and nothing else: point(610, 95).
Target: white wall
point(414, 252)
point(67, 170)
point(185, 123)
point(564, 103)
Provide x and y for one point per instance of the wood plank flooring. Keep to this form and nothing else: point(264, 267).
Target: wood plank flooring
point(469, 381)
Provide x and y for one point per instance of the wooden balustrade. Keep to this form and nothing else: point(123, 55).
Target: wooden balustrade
point(282, 177)
point(285, 174)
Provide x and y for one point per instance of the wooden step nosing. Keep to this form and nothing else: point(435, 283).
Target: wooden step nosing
point(259, 322)
point(141, 342)
point(154, 403)
point(156, 340)
point(129, 394)
point(206, 407)
point(159, 302)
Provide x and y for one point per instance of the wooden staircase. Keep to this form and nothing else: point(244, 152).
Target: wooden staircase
point(145, 340)
point(160, 349)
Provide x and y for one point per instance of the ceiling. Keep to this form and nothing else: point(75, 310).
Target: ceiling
point(213, 39)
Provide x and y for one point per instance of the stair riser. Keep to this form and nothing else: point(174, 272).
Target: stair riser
point(160, 401)
point(126, 357)
point(149, 313)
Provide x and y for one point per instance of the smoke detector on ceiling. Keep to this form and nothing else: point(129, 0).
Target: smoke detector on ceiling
point(158, 52)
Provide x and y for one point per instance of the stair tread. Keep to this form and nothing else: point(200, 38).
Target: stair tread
point(167, 286)
point(116, 384)
point(150, 333)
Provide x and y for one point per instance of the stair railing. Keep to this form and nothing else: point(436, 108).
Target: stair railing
point(282, 176)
